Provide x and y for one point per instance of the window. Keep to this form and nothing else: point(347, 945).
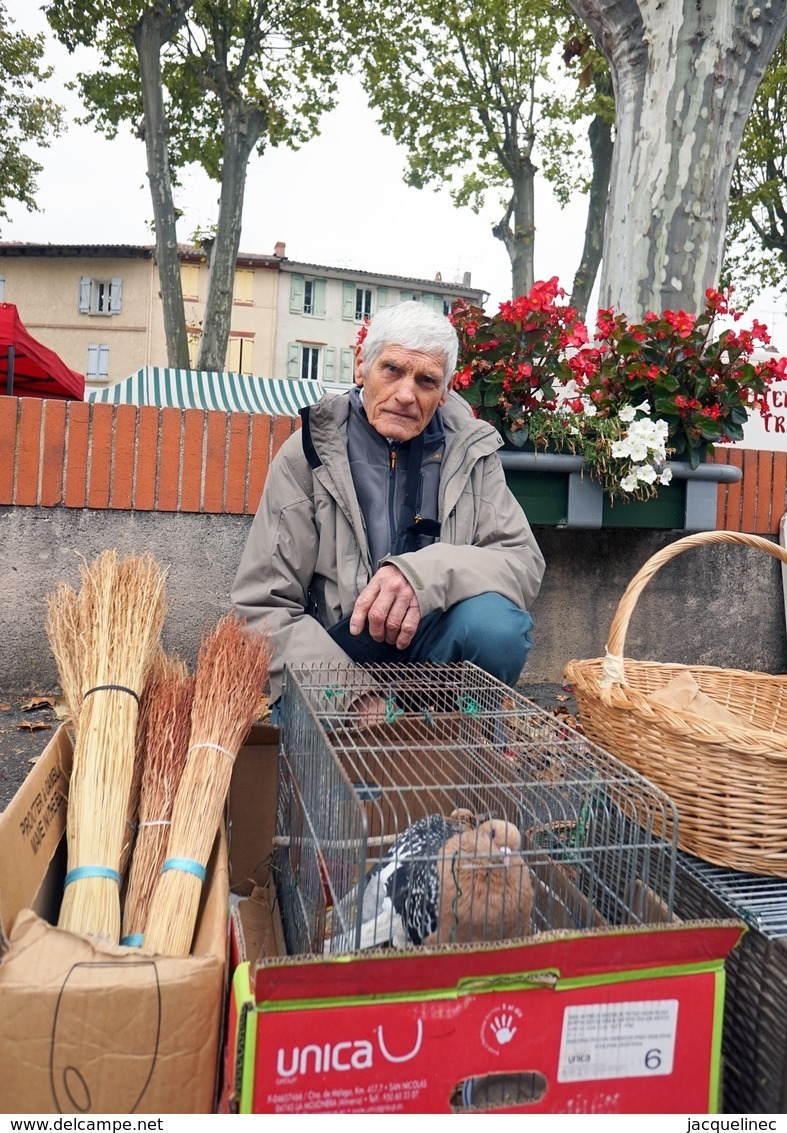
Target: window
point(97, 363)
point(307, 296)
point(189, 281)
point(363, 303)
point(359, 303)
point(309, 362)
point(244, 286)
point(100, 296)
point(240, 352)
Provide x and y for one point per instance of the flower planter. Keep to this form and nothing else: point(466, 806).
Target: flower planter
point(555, 490)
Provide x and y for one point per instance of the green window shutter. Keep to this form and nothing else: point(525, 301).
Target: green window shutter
point(435, 302)
point(329, 364)
point(293, 360)
point(407, 295)
point(348, 301)
point(296, 295)
point(318, 298)
point(346, 366)
point(382, 297)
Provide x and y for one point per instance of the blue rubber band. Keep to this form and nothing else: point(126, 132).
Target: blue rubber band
point(84, 871)
point(186, 865)
point(392, 713)
point(133, 941)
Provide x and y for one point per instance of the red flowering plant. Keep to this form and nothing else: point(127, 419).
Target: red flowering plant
point(636, 395)
point(514, 362)
point(681, 370)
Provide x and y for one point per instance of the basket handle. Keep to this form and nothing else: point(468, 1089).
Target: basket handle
point(616, 643)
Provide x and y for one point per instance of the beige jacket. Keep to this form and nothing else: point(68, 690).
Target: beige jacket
point(307, 546)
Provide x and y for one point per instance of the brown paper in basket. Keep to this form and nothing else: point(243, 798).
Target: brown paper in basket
point(684, 694)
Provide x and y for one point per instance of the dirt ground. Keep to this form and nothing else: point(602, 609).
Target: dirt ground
point(27, 726)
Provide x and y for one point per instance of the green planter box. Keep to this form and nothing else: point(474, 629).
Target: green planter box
point(553, 491)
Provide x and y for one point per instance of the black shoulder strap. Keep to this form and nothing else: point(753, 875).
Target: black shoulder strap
point(411, 524)
point(309, 451)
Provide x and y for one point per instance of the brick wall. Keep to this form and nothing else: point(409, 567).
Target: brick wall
point(77, 454)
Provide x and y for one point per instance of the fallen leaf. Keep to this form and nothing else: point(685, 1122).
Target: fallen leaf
point(561, 696)
point(5, 707)
point(28, 726)
point(38, 702)
point(62, 711)
point(34, 759)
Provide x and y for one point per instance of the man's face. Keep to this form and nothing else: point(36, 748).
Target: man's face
point(401, 390)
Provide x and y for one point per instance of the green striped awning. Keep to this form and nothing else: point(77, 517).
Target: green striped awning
point(203, 389)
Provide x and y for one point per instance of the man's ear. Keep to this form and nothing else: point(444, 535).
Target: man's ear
point(359, 365)
point(443, 399)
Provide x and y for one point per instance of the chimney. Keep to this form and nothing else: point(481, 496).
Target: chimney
point(279, 249)
point(438, 278)
point(466, 279)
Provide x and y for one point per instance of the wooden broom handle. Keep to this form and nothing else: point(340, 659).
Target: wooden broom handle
point(616, 642)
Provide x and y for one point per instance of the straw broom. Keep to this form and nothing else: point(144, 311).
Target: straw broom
point(121, 611)
point(140, 743)
point(165, 716)
point(232, 668)
point(64, 630)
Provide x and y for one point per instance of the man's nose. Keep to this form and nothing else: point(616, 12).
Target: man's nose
point(406, 389)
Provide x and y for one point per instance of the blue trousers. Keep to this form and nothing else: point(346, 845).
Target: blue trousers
point(488, 630)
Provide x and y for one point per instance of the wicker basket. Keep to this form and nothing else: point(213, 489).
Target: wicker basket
point(729, 782)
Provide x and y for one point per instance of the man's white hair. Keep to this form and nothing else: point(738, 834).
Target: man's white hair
point(415, 327)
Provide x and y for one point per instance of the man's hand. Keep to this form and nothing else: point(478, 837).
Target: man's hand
point(390, 607)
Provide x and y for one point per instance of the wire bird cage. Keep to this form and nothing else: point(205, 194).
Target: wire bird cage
point(755, 1002)
point(597, 841)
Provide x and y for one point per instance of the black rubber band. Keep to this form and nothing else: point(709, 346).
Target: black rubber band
point(112, 688)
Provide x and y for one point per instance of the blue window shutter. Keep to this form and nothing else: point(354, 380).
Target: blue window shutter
point(318, 292)
point(382, 297)
point(103, 361)
point(92, 361)
point(116, 296)
point(296, 295)
point(84, 295)
point(346, 366)
point(293, 360)
point(348, 301)
point(329, 364)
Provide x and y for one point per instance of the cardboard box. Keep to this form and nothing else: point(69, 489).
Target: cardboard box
point(608, 1020)
point(88, 1027)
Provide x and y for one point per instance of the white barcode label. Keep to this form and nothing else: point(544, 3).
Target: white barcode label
point(618, 1040)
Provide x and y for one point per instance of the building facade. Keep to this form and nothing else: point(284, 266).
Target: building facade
point(98, 307)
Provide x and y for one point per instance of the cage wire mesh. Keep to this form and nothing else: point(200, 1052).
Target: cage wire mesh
point(382, 830)
point(754, 1044)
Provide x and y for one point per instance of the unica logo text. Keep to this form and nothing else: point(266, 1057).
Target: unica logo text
point(348, 1054)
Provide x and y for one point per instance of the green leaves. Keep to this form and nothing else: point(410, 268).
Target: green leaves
point(27, 117)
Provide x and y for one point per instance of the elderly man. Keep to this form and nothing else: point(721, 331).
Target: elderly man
point(386, 530)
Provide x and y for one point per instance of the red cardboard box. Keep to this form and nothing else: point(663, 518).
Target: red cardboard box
point(609, 1020)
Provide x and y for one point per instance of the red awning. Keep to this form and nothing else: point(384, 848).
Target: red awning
point(36, 371)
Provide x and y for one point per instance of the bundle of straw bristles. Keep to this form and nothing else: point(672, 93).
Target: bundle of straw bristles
point(154, 749)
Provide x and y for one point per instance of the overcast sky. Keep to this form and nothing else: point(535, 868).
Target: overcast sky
point(339, 201)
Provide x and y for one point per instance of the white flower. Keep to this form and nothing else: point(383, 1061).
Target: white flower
point(639, 450)
point(666, 476)
point(629, 482)
point(645, 472)
point(627, 413)
point(643, 407)
point(621, 448)
point(590, 409)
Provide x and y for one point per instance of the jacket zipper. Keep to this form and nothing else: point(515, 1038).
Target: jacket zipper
point(392, 527)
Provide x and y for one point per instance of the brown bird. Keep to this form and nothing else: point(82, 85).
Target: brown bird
point(485, 891)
